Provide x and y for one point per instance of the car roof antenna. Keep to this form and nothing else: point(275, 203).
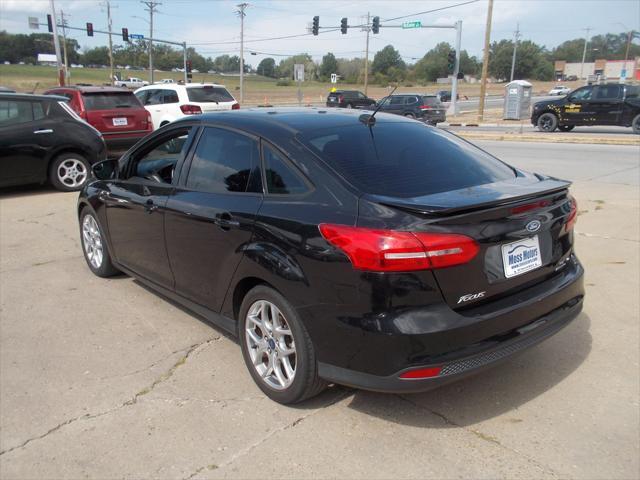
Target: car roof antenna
point(370, 120)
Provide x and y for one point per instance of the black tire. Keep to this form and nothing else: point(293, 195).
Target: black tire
point(566, 128)
point(635, 124)
point(69, 172)
point(305, 383)
point(410, 115)
point(547, 122)
point(105, 267)
point(348, 105)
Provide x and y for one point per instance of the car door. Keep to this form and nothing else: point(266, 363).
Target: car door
point(396, 104)
point(606, 102)
point(26, 136)
point(577, 110)
point(210, 217)
point(136, 204)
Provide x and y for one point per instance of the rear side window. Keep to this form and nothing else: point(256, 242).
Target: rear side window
point(633, 91)
point(225, 162)
point(18, 111)
point(400, 159)
point(109, 101)
point(280, 176)
point(411, 100)
point(607, 92)
point(208, 94)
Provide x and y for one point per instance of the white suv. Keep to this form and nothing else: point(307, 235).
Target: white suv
point(168, 102)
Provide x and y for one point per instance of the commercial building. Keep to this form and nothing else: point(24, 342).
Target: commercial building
point(604, 69)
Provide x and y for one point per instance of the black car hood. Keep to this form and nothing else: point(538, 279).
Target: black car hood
point(546, 103)
point(505, 192)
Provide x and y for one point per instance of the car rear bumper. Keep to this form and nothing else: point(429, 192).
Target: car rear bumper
point(383, 346)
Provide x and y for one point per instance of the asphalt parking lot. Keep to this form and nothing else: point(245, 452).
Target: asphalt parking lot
point(105, 379)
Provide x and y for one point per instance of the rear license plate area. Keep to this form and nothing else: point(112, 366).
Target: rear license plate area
point(521, 257)
point(120, 122)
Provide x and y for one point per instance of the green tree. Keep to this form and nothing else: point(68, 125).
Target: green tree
point(352, 70)
point(385, 59)
point(96, 56)
point(328, 66)
point(267, 67)
point(285, 67)
point(531, 61)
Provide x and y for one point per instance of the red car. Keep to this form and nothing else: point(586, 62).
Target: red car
point(114, 112)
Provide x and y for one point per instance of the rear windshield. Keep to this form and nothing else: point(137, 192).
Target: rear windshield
point(110, 101)
point(402, 159)
point(431, 101)
point(209, 94)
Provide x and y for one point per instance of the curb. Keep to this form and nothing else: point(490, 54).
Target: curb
point(541, 139)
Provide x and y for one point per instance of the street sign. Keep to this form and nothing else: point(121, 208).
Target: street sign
point(416, 24)
point(334, 78)
point(33, 23)
point(623, 74)
point(298, 72)
point(136, 36)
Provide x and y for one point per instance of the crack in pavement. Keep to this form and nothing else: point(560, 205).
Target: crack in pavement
point(483, 436)
point(132, 401)
point(250, 448)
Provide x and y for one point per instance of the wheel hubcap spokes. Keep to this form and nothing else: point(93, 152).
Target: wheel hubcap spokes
point(270, 344)
point(72, 173)
point(92, 241)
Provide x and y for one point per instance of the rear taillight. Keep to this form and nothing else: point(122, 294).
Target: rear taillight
point(395, 251)
point(235, 106)
point(340, 98)
point(147, 123)
point(425, 107)
point(190, 109)
point(421, 373)
point(530, 206)
point(573, 215)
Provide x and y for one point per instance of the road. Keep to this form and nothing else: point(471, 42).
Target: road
point(491, 102)
point(105, 379)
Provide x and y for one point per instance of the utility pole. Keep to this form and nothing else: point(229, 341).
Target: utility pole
point(626, 54)
point(516, 37)
point(366, 55)
point(107, 4)
point(584, 51)
point(151, 8)
point(56, 45)
point(485, 61)
point(453, 106)
point(63, 22)
point(241, 14)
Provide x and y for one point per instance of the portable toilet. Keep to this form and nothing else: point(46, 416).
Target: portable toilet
point(517, 100)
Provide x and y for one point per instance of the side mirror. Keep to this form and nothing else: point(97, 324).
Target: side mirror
point(106, 169)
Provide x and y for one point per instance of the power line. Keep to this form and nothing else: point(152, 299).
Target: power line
point(430, 11)
point(151, 8)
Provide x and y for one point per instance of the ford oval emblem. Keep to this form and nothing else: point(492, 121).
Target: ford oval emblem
point(533, 226)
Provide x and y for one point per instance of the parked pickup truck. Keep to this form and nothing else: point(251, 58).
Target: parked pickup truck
point(608, 104)
point(131, 82)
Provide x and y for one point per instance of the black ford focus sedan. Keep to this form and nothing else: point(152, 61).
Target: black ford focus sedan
point(378, 253)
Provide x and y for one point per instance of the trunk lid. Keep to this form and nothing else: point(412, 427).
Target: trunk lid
point(115, 113)
point(518, 224)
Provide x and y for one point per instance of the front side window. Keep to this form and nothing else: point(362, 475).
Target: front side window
point(158, 161)
point(280, 176)
point(397, 100)
point(581, 94)
point(223, 162)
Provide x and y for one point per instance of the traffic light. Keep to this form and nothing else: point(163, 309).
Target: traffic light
point(375, 27)
point(451, 60)
point(343, 25)
point(188, 64)
point(316, 25)
point(50, 23)
point(89, 29)
point(125, 34)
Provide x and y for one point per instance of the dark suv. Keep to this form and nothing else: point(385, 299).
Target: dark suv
point(349, 99)
point(422, 107)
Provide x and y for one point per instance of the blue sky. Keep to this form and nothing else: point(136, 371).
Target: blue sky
point(214, 22)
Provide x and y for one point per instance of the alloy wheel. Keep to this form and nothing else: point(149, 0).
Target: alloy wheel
point(270, 344)
point(92, 241)
point(72, 173)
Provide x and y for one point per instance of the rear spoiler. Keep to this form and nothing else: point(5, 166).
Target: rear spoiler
point(438, 209)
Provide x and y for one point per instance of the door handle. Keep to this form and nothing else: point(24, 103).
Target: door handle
point(225, 221)
point(150, 207)
point(46, 130)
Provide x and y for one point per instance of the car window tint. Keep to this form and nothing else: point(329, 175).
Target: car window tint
point(401, 159)
point(411, 100)
point(38, 111)
point(633, 91)
point(159, 159)
point(142, 96)
point(109, 101)
point(431, 101)
point(607, 92)
point(155, 97)
point(397, 100)
point(583, 93)
point(223, 162)
point(208, 94)
point(15, 111)
point(280, 176)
